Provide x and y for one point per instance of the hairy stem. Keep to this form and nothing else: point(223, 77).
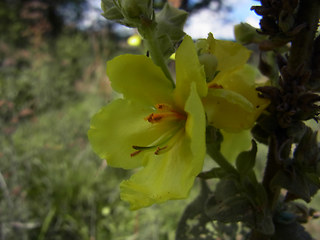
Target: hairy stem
point(221, 161)
point(155, 51)
point(271, 169)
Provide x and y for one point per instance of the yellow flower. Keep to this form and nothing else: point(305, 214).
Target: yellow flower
point(232, 103)
point(155, 126)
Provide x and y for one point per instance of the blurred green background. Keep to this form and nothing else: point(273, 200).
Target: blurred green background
point(52, 80)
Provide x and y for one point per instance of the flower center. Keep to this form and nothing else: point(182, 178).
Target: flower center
point(164, 112)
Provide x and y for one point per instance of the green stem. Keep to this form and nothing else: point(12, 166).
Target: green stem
point(221, 161)
point(271, 170)
point(155, 51)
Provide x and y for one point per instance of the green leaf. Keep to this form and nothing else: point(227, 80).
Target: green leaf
point(264, 224)
point(294, 182)
point(233, 202)
point(196, 214)
point(232, 209)
point(226, 188)
point(307, 152)
point(238, 208)
point(246, 160)
point(170, 22)
point(217, 206)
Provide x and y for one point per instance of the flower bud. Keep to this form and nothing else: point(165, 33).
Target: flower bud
point(286, 21)
point(210, 63)
point(245, 33)
point(110, 10)
point(130, 13)
point(135, 9)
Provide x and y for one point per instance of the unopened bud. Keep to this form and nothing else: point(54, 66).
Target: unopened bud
point(110, 10)
point(286, 21)
point(135, 9)
point(128, 12)
point(245, 33)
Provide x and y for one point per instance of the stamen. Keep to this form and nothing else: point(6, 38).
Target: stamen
point(216, 86)
point(157, 152)
point(157, 117)
point(166, 140)
point(154, 117)
point(165, 111)
point(163, 106)
point(135, 153)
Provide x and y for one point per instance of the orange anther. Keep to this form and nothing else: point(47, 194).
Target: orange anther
point(159, 149)
point(154, 117)
point(163, 106)
point(135, 153)
point(215, 85)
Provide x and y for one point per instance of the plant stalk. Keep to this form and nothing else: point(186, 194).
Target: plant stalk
point(155, 51)
point(221, 161)
point(300, 55)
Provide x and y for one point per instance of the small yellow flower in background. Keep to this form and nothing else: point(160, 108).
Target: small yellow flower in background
point(155, 126)
point(232, 103)
point(134, 40)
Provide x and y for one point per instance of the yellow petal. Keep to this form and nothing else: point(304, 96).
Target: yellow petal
point(119, 126)
point(188, 70)
point(138, 78)
point(228, 110)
